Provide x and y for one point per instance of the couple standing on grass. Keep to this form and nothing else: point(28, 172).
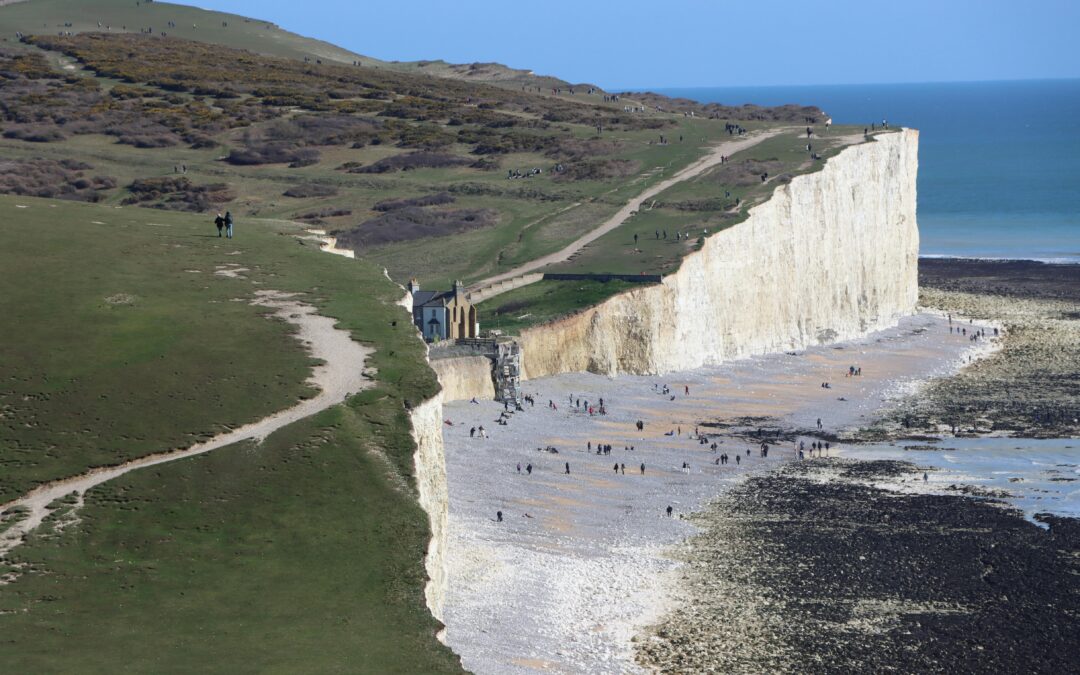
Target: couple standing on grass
point(225, 223)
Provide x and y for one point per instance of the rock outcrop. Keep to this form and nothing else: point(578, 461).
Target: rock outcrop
point(465, 377)
point(831, 256)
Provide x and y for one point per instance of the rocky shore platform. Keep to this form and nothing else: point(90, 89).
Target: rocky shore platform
point(813, 569)
point(1031, 387)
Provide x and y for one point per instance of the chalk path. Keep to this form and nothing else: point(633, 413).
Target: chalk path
point(710, 160)
point(342, 373)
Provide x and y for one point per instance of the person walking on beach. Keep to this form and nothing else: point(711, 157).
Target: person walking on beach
point(738, 459)
point(528, 469)
point(568, 468)
point(643, 468)
point(623, 469)
point(669, 510)
point(519, 467)
point(228, 225)
point(616, 467)
point(220, 222)
point(498, 516)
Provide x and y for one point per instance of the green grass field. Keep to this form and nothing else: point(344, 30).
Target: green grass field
point(546, 301)
point(301, 554)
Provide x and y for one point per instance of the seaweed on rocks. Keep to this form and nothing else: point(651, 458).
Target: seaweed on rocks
point(804, 570)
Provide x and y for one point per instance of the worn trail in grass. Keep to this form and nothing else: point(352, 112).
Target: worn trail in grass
point(713, 158)
point(340, 374)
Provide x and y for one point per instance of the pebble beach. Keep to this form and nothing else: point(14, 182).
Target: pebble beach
point(583, 564)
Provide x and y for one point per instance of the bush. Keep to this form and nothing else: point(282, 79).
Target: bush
point(50, 178)
point(413, 160)
point(428, 200)
point(311, 190)
point(414, 222)
point(599, 169)
point(178, 193)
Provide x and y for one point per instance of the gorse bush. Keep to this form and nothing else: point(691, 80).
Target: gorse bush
point(49, 178)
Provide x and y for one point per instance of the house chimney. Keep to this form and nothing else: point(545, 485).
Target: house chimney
point(414, 286)
point(459, 289)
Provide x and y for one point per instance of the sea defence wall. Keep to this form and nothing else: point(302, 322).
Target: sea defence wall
point(830, 256)
point(465, 377)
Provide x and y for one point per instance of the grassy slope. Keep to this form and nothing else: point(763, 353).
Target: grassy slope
point(92, 377)
point(262, 37)
point(49, 16)
point(301, 554)
point(546, 301)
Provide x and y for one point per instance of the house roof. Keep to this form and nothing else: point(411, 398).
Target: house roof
point(423, 298)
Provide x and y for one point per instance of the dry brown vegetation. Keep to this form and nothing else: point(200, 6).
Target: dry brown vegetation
point(436, 199)
point(414, 222)
point(64, 179)
point(178, 193)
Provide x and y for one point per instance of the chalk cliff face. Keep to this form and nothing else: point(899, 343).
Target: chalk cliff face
point(430, 465)
point(465, 377)
point(832, 255)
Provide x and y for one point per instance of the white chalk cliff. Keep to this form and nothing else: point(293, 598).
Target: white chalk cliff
point(830, 256)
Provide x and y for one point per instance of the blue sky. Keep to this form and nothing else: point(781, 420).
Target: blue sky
point(676, 43)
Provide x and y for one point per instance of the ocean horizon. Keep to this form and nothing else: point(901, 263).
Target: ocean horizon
point(999, 161)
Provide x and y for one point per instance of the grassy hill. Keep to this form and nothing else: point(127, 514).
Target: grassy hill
point(304, 553)
point(51, 17)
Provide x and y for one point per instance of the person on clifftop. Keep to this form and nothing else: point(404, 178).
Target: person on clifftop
point(220, 222)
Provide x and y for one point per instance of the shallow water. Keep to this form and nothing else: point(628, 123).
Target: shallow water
point(1040, 475)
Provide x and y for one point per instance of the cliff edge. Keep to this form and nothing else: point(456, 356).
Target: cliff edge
point(831, 256)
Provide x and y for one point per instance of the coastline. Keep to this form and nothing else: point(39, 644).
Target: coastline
point(879, 563)
point(568, 586)
point(596, 579)
point(1031, 387)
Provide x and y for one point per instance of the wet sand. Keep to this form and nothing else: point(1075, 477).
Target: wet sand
point(580, 564)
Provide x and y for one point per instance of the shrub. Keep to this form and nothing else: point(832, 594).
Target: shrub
point(50, 178)
point(412, 160)
point(428, 200)
point(311, 190)
point(414, 222)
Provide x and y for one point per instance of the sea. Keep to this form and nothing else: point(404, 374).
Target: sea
point(999, 177)
point(999, 162)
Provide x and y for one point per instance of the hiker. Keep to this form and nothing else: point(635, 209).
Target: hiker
point(220, 222)
point(819, 423)
point(228, 225)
